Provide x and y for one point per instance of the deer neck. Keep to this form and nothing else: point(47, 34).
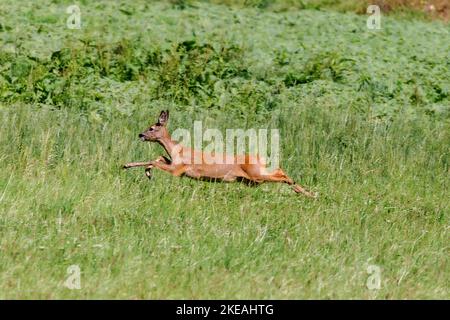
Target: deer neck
point(169, 145)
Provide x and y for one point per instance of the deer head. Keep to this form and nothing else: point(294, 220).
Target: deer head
point(157, 131)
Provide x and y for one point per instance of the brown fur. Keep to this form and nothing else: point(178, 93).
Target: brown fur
point(181, 162)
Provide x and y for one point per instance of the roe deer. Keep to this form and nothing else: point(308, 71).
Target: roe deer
point(251, 168)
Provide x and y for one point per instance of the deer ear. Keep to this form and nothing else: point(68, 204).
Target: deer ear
point(163, 117)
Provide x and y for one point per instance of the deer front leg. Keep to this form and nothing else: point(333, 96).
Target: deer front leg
point(175, 170)
point(146, 164)
point(148, 169)
point(136, 164)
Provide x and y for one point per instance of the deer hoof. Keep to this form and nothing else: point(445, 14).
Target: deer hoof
point(148, 173)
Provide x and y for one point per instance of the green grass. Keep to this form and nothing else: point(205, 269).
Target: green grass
point(364, 119)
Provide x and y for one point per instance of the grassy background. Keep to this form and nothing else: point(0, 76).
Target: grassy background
point(364, 117)
point(417, 9)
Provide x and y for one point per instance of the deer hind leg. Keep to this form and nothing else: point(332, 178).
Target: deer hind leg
point(279, 176)
point(236, 173)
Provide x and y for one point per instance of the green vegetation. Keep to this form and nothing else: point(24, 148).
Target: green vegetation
point(364, 117)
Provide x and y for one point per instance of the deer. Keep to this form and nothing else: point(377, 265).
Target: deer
point(249, 168)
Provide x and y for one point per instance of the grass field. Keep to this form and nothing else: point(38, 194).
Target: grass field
point(364, 118)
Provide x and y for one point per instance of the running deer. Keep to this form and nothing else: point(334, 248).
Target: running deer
point(250, 168)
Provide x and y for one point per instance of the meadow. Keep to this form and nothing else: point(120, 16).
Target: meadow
point(364, 117)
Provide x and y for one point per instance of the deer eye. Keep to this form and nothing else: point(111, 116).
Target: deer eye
point(150, 129)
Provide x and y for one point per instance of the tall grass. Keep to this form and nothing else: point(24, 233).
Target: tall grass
point(383, 200)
